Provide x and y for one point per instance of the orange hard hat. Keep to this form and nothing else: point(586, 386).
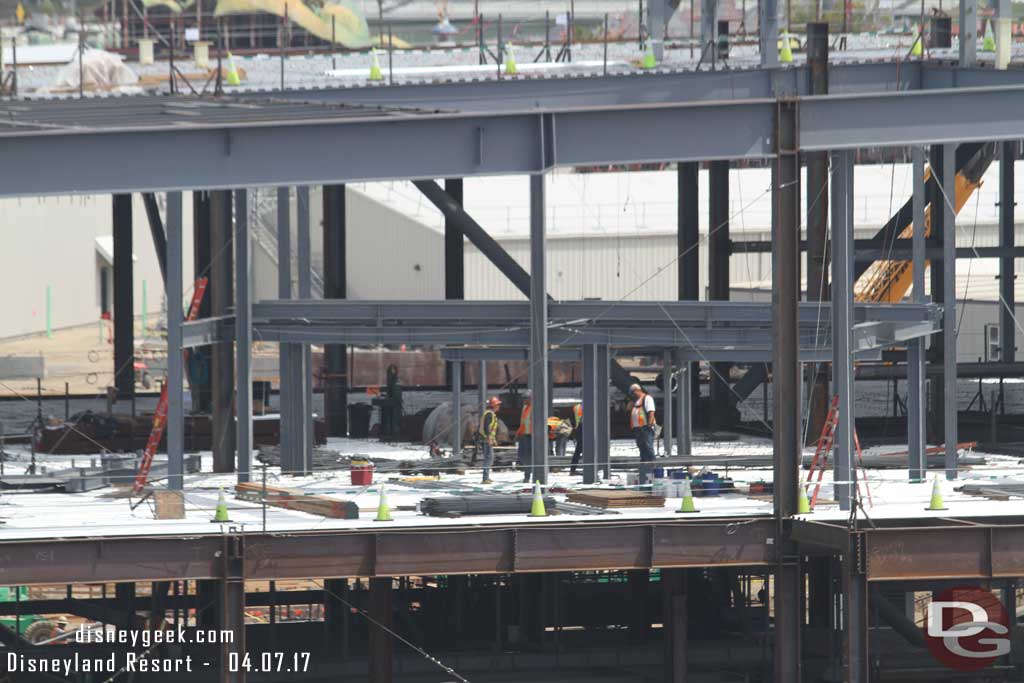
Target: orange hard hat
point(494, 401)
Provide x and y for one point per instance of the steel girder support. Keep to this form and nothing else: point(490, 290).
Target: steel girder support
point(842, 312)
point(666, 392)
point(538, 370)
point(221, 295)
point(289, 415)
point(768, 32)
point(871, 250)
point(968, 39)
point(303, 354)
point(380, 648)
point(591, 411)
point(916, 374)
point(722, 413)
point(688, 242)
point(603, 381)
point(787, 444)
point(335, 379)
point(684, 405)
point(456, 372)
point(658, 14)
point(949, 322)
point(1007, 277)
point(156, 229)
point(232, 609)
point(199, 370)
point(708, 24)
point(243, 336)
point(855, 622)
point(175, 369)
point(124, 307)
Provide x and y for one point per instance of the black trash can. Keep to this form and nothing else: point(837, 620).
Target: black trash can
point(359, 420)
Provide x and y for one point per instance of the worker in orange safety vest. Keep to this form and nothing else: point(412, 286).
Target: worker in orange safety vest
point(642, 421)
point(524, 444)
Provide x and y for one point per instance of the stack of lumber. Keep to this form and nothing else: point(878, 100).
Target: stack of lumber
point(617, 498)
point(297, 499)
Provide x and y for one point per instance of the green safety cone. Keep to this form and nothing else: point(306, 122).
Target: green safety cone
point(375, 74)
point(687, 504)
point(537, 508)
point(786, 52)
point(383, 509)
point(233, 78)
point(649, 62)
point(510, 60)
point(220, 514)
point(936, 503)
point(989, 43)
point(917, 49)
point(803, 506)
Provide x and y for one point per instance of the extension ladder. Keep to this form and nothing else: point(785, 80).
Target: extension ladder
point(826, 442)
point(160, 416)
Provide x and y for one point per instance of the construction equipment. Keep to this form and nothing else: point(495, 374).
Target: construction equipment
point(160, 416)
point(825, 444)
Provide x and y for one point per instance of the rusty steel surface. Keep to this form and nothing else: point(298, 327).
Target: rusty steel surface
point(952, 552)
point(533, 547)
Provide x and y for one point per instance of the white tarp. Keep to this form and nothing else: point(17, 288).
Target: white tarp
point(100, 70)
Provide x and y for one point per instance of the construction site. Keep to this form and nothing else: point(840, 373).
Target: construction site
point(591, 341)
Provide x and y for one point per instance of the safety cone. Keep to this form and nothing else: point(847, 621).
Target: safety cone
point(233, 78)
point(375, 73)
point(917, 49)
point(510, 60)
point(383, 509)
point(803, 506)
point(786, 53)
point(989, 43)
point(936, 503)
point(649, 62)
point(537, 508)
point(687, 504)
point(220, 514)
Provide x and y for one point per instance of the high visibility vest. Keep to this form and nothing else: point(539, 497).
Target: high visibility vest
point(638, 416)
point(525, 421)
point(577, 412)
point(489, 432)
point(553, 423)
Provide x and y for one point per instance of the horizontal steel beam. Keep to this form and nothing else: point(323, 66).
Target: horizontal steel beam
point(398, 552)
point(207, 331)
point(876, 250)
point(898, 370)
point(952, 552)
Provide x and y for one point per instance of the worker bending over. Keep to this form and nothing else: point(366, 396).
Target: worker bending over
point(642, 420)
point(524, 445)
point(489, 435)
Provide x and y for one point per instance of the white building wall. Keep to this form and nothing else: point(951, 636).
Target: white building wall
point(52, 241)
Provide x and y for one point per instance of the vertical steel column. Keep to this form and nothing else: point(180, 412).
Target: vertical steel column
point(233, 621)
point(454, 257)
point(456, 434)
point(175, 369)
point(688, 245)
point(656, 21)
point(673, 605)
point(590, 414)
point(538, 329)
point(666, 392)
point(221, 294)
point(968, 32)
point(199, 358)
point(380, 648)
point(817, 222)
point(335, 379)
point(933, 198)
point(482, 385)
point(286, 362)
point(1007, 278)
point(684, 408)
point(719, 252)
point(855, 623)
point(707, 31)
point(304, 266)
point(124, 305)
point(842, 321)
point(949, 311)
point(916, 424)
point(243, 335)
point(786, 384)
point(768, 32)
point(603, 407)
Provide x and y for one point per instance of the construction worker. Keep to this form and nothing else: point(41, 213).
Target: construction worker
point(524, 445)
point(489, 435)
point(577, 436)
point(642, 421)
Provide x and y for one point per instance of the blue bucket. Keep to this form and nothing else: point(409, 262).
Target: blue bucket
point(710, 484)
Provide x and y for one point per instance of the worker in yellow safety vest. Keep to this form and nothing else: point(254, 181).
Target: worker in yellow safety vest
point(489, 435)
point(577, 436)
point(642, 421)
point(524, 436)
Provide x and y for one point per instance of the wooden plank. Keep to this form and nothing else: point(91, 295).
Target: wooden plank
point(299, 500)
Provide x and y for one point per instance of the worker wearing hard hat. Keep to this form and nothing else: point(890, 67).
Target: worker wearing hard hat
point(642, 421)
point(577, 436)
point(489, 435)
point(524, 436)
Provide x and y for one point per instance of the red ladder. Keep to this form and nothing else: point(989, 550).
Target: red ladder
point(826, 442)
point(160, 416)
